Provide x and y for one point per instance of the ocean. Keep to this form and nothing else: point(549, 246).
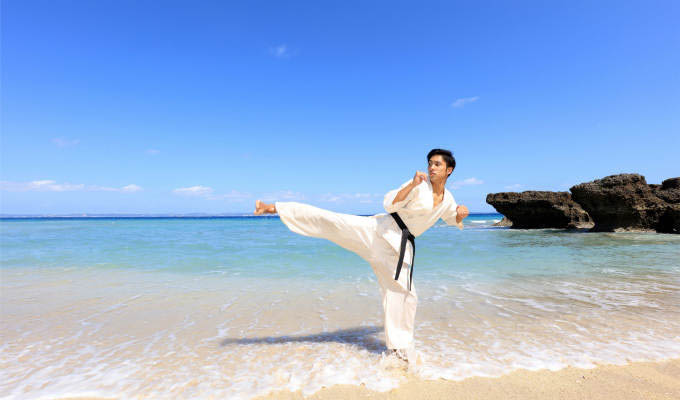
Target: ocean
point(236, 307)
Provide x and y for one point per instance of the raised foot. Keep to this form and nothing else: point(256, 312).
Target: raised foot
point(259, 208)
point(264, 208)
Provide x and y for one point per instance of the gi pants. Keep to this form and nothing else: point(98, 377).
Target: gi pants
point(361, 235)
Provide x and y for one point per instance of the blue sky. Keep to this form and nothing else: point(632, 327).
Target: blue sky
point(154, 107)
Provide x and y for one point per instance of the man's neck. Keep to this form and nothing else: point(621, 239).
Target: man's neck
point(438, 187)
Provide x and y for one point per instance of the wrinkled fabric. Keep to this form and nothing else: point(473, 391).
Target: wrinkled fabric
point(416, 211)
point(377, 240)
point(359, 235)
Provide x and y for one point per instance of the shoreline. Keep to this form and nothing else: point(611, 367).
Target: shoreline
point(637, 380)
point(239, 310)
point(649, 380)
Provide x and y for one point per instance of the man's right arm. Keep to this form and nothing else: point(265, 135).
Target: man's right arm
point(398, 198)
point(403, 193)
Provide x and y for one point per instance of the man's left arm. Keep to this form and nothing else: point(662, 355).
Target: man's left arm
point(461, 213)
point(455, 215)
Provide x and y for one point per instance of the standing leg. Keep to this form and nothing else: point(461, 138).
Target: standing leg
point(398, 302)
point(358, 234)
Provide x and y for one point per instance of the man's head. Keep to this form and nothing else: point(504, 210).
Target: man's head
point(440, 164)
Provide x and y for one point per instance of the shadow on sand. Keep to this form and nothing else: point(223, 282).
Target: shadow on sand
point(359, 336)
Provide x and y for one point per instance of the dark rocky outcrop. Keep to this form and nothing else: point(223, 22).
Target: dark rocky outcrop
point(627, 202)
point(623, 202)
point(669, 191)
point(669, 222)
point(540, 209)
point(504, 222)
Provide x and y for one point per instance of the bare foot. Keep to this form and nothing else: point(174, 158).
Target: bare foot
point(259, 208)
point(264, 208)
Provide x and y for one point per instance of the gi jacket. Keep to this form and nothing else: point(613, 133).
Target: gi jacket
point(417, 212)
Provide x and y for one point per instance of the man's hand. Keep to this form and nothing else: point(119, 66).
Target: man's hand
point(403, 193)
point(418, 178)
point(462, 212)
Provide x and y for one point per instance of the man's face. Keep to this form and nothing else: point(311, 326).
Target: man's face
point(437, 169)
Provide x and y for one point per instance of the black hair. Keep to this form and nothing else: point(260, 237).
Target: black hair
point(446, 155)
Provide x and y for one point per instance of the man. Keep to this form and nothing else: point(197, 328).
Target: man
point(382, 239)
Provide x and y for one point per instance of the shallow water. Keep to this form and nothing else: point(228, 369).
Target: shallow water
point(239, 307)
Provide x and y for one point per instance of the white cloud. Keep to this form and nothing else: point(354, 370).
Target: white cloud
point(364, 198)
point(466, 182)
point(331, 198)
point(463, 101)
point(49, 186)
point(131, 188)
point(514, 186)
point(63, 142)
point(280, 51)
point(283, 195)
point(153, 152)
point(197, 190)
point(95, 188)
point(53, 186)
point(208, 193)
point(128, 189)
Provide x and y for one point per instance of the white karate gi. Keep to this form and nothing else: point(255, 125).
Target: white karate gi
point(377, 239)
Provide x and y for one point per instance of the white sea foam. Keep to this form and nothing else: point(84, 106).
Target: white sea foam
point(193, 338)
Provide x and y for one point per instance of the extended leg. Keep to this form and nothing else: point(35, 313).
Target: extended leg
point(352, 232)
point(358, 234)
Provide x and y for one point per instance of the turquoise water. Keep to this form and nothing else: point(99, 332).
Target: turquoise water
point(257, 246)
point(238, 246)
point(169, 307)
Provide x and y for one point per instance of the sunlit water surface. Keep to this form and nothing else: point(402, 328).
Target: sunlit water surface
point(240, 307)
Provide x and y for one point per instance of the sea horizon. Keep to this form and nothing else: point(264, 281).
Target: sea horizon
point(173, 215)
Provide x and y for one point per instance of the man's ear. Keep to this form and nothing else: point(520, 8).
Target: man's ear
point(449, 173)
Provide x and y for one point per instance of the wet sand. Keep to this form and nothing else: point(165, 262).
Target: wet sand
point(99, 317)
point(641, 380)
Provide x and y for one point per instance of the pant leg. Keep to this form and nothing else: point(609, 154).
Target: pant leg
point(359, 235)
point(399, 304)
point(352, 232)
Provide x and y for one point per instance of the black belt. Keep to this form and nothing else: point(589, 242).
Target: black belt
point(405, 235)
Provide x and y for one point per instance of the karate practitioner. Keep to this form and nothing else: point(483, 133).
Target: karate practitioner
point(418, 203)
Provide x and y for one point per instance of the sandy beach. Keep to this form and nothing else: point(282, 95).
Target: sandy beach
point(204, 309)
point(641, 380)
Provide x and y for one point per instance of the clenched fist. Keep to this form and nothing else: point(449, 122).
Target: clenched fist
point(462, 211)
point(418, 178)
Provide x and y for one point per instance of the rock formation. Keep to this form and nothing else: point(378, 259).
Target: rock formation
point(627, 202)
point(669, 191)
point(534, 209)
point(504, 222)
point(614, 203)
